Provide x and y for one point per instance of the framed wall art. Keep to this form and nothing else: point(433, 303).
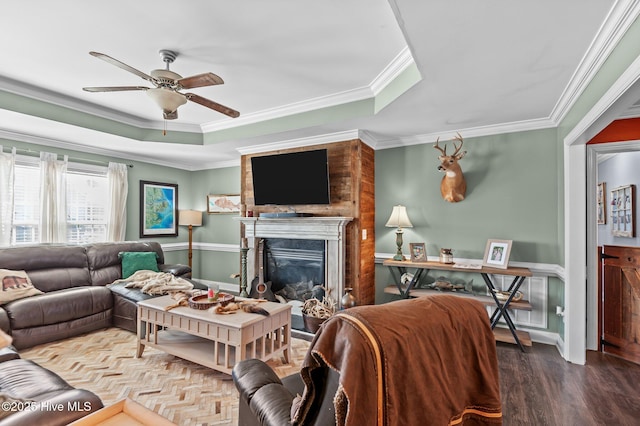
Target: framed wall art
point(158, 209)
point(418, 252)
point(496, 254)
point(223, 203)
point(623, 211)
point(601, 201)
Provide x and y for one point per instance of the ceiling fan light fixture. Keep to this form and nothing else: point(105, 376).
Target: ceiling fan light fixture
point(167, 99)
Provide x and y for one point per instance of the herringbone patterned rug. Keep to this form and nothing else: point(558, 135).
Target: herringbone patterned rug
point(186, 393)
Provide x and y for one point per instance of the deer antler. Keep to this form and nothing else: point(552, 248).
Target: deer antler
point(457, 138)
point(443, 151)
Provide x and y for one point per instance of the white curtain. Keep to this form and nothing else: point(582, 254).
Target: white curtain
point(7, 173)
point(53, 202)
point(118, 188)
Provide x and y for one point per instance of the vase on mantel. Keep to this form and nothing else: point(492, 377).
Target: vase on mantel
point(348, 300)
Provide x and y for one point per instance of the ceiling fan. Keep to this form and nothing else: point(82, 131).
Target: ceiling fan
point(168, 84)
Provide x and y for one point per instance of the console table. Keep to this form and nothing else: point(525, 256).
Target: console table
point(398, 268)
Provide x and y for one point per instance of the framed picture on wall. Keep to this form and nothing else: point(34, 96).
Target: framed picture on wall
point(601, 201)
point(223, 203)
point(496, 254)
point(158, 209)
point(623, 211)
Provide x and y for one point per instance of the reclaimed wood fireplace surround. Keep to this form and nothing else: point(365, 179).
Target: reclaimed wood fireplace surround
point(351, 179)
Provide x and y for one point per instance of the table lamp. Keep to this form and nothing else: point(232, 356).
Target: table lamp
point(399, 220)
point(190, 218)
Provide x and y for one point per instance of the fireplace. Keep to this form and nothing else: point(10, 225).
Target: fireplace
point(295, 268)
point(306, 235)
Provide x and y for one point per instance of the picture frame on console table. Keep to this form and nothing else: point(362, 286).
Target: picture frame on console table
point(158, 209)
point(496, 254)
point(418, 252)
point(223, 203)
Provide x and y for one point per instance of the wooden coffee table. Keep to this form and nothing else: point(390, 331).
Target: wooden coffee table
point(213, 340)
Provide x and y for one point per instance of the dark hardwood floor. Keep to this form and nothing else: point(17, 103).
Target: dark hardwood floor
point(538, 387)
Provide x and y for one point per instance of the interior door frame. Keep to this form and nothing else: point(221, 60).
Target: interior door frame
point(594, 317)
point(580, 222)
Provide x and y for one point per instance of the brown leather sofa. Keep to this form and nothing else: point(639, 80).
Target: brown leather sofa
point(429, 360)
point(76, 299)
point(38, 395)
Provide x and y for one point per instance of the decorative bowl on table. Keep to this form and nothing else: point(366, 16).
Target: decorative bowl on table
point(202, 301)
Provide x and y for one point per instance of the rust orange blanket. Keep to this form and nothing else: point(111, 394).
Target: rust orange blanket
point(430, 360)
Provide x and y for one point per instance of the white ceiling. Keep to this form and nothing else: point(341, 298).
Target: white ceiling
point(393, 72)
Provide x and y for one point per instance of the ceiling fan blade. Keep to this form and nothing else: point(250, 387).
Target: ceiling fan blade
point(114, 88)
point(200, 80)
point(122, 65)
point(213, 105)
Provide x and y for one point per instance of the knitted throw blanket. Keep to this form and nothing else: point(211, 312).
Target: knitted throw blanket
point(155, 283)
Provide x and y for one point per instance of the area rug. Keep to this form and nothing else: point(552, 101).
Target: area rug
point(186, 393)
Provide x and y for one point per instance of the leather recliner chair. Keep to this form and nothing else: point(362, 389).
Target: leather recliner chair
point(410, 362)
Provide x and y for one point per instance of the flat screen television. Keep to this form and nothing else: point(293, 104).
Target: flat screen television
point(291, 179)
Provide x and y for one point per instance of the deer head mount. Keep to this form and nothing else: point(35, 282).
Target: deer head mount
point(453, 186)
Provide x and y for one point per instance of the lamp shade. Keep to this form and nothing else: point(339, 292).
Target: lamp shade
point(190, 217)
point(166, 99)
point(399, 218)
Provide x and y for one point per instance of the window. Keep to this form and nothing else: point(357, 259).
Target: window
point(26, 210)
point(87, 202)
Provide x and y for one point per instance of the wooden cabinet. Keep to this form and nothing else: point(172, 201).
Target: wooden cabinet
point(352, 193)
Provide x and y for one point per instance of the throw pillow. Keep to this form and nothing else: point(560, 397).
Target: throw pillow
point(133, 261)
point(15, 285)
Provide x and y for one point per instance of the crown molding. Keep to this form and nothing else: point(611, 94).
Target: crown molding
point(401, 62)
point(301, 142)
point(470, 132)
point(57, 143)
point(43, 95)
point(620, 18)
point(392, 71)
point(622, 87)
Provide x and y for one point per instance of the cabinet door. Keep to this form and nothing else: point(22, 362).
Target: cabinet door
point(621, 302)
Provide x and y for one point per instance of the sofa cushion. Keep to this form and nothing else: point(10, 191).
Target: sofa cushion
point(15, 285)
point(50, 267)
point(104, 264)
point(58, 306)
point(134, 261)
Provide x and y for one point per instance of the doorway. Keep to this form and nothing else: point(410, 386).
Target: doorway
point(599, 234)
point(613, 307)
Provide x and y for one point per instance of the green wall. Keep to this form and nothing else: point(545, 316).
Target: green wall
point(512, 193)
point(513, 184)
point(218, 229)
